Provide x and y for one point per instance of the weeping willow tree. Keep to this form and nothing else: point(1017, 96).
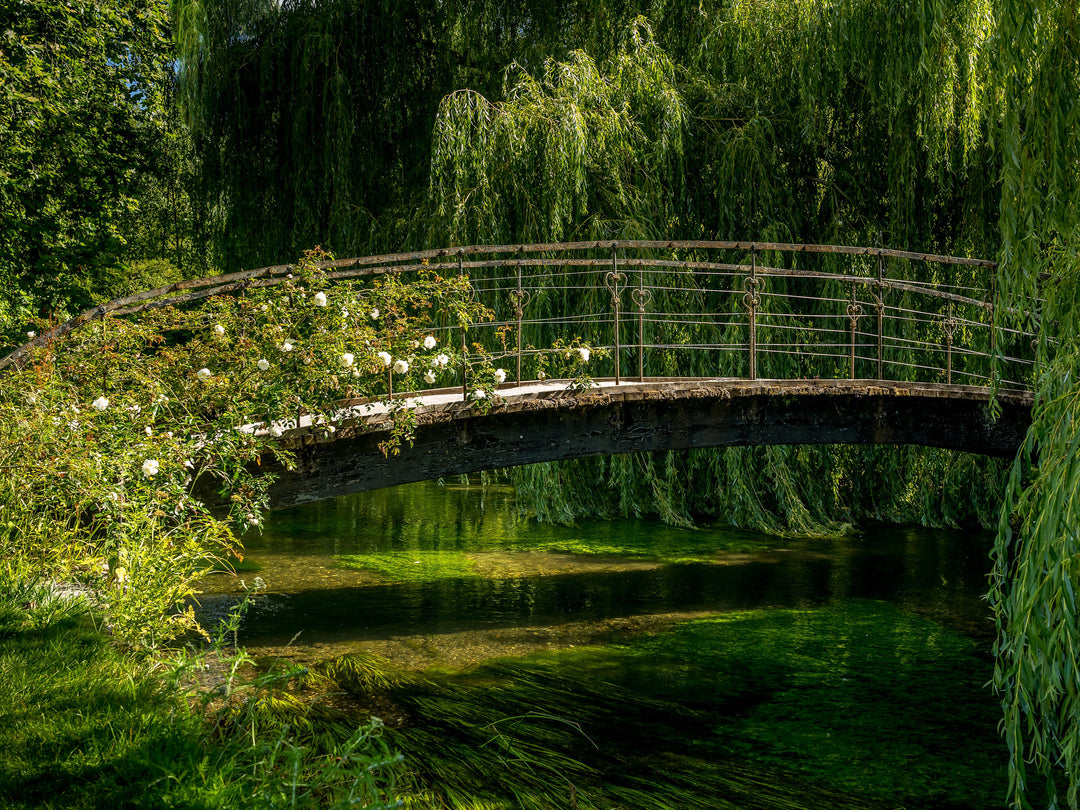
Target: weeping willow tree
point(934, 125)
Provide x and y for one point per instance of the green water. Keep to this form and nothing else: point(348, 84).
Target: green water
point(631, 665)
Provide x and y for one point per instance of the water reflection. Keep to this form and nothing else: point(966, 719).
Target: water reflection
point(941, 574)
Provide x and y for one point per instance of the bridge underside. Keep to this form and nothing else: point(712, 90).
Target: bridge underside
point(537, 423)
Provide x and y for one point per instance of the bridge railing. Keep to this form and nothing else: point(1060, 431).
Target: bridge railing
point(692, 309)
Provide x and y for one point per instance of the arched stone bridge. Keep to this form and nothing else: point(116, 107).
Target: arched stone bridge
point(548, 422)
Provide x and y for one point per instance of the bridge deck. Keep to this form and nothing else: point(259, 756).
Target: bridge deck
point(547, 421)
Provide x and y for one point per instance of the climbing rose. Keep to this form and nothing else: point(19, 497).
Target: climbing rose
point(31, 335)
point(386, 358)
point(219, 330)
point(429, 377)
point(346, 360)
point(320, 299)
point(150, 467)
point(400, 367)
point(203, 374)
point(583, 353)
point(500, 375)
point(440, 361)
point(479, 393)
point(264, 365)
point(100, 404)
point(286, 346)
point(429, 342)
point(276, 431)
point(374, 313)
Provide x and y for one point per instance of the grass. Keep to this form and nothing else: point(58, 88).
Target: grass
point(85, 725)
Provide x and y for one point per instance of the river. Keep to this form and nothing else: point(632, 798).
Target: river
point(627, 664)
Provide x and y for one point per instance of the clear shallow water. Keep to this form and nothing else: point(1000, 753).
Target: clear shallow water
point(677, 669)
point(523, 572)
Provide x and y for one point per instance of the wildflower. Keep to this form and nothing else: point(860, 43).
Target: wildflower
point(346, 360)
point(320, 299)
point(386, 358)
point(440, 361)
point(374, 313)
point(479, 393)
point(150, 467)
point(264, 365)
point(429, 377)
point(286, 346)
point(100, 404)
point(429, 342)
point(583, 353)
point(203, 374)
point(500, 375)
point(219, 330)
point(31, 335)
point(400, 367)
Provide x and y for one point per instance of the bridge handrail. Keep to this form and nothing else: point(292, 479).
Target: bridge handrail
point(517, 256)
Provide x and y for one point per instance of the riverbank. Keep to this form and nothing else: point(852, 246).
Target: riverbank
point(86, 724)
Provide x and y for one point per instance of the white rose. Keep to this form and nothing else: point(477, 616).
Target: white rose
point(479, 393)
point(500, 375)
point(386, 358)
point(374, 313)
point(204, 374)
point(320, 299)
point(429, 342)
point(400, 367)
point(429, 377)
point(100, 404)
point(264, 365)
point(150, 467)
point(346, 360)
point(219, 330)
point(31, 335)
point(583, 353)
point(286, 346)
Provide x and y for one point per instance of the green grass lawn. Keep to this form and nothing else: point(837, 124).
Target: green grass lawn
point(85, 724)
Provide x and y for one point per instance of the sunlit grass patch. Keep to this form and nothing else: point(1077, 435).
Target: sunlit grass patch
point(411, 566)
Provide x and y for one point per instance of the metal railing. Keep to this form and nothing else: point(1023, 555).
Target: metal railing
point(651, 309)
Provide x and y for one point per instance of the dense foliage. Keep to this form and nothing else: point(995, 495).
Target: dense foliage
point(84, 124)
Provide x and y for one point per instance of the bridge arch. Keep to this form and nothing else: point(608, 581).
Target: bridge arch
point(546, 422)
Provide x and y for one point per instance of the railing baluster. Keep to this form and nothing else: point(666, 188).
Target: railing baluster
point(615, 281)
point(751, 299)
point(641, 297)
point(521, 298)
point(880, 288)
point(464, 327)
point(950, 328)
point(853, 311)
